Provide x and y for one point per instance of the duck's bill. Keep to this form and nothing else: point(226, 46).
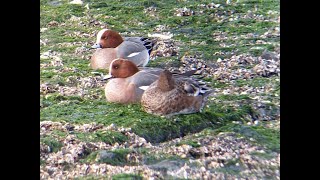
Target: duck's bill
point(96, 46)
point(106, 77)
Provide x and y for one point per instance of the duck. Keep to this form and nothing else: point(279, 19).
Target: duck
point(111, 45)
point(169, 96)
point(127, 82)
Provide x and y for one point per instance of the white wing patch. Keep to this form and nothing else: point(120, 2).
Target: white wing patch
point(133, 54)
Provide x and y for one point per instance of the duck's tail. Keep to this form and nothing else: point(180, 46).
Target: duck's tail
point(148, 43)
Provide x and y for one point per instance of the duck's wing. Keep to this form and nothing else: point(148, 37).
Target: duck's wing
point(146, 42)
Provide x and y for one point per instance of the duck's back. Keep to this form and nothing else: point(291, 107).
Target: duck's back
point(170, 103)
point(146, 42)
point(185, 96)
point(134, 52)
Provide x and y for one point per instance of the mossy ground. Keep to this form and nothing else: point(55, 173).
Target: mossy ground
point(75, 28)
point(115, 177)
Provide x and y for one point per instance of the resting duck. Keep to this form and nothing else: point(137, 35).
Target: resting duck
point(111, 45)
point(169, 96)
point(126, 82)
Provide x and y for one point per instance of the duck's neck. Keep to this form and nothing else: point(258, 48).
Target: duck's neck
point(131, 71)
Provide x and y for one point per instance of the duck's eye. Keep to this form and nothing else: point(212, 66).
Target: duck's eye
point(115, 67)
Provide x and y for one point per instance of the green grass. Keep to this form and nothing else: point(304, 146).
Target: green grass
point(61, 134)
point(119, 158)
point(152, 128)
point(268, 138)
point(257, 82)
point(127, 177)
point(233, 97)
point(42, 162)
point(150, 158)
point(189, 142)
point(264, 155)
point(109, 137)
point(54, 145)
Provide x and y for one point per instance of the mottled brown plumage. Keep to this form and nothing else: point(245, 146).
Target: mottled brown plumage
point(170, 96)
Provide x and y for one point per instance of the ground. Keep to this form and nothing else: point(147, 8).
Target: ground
point(235, 45)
